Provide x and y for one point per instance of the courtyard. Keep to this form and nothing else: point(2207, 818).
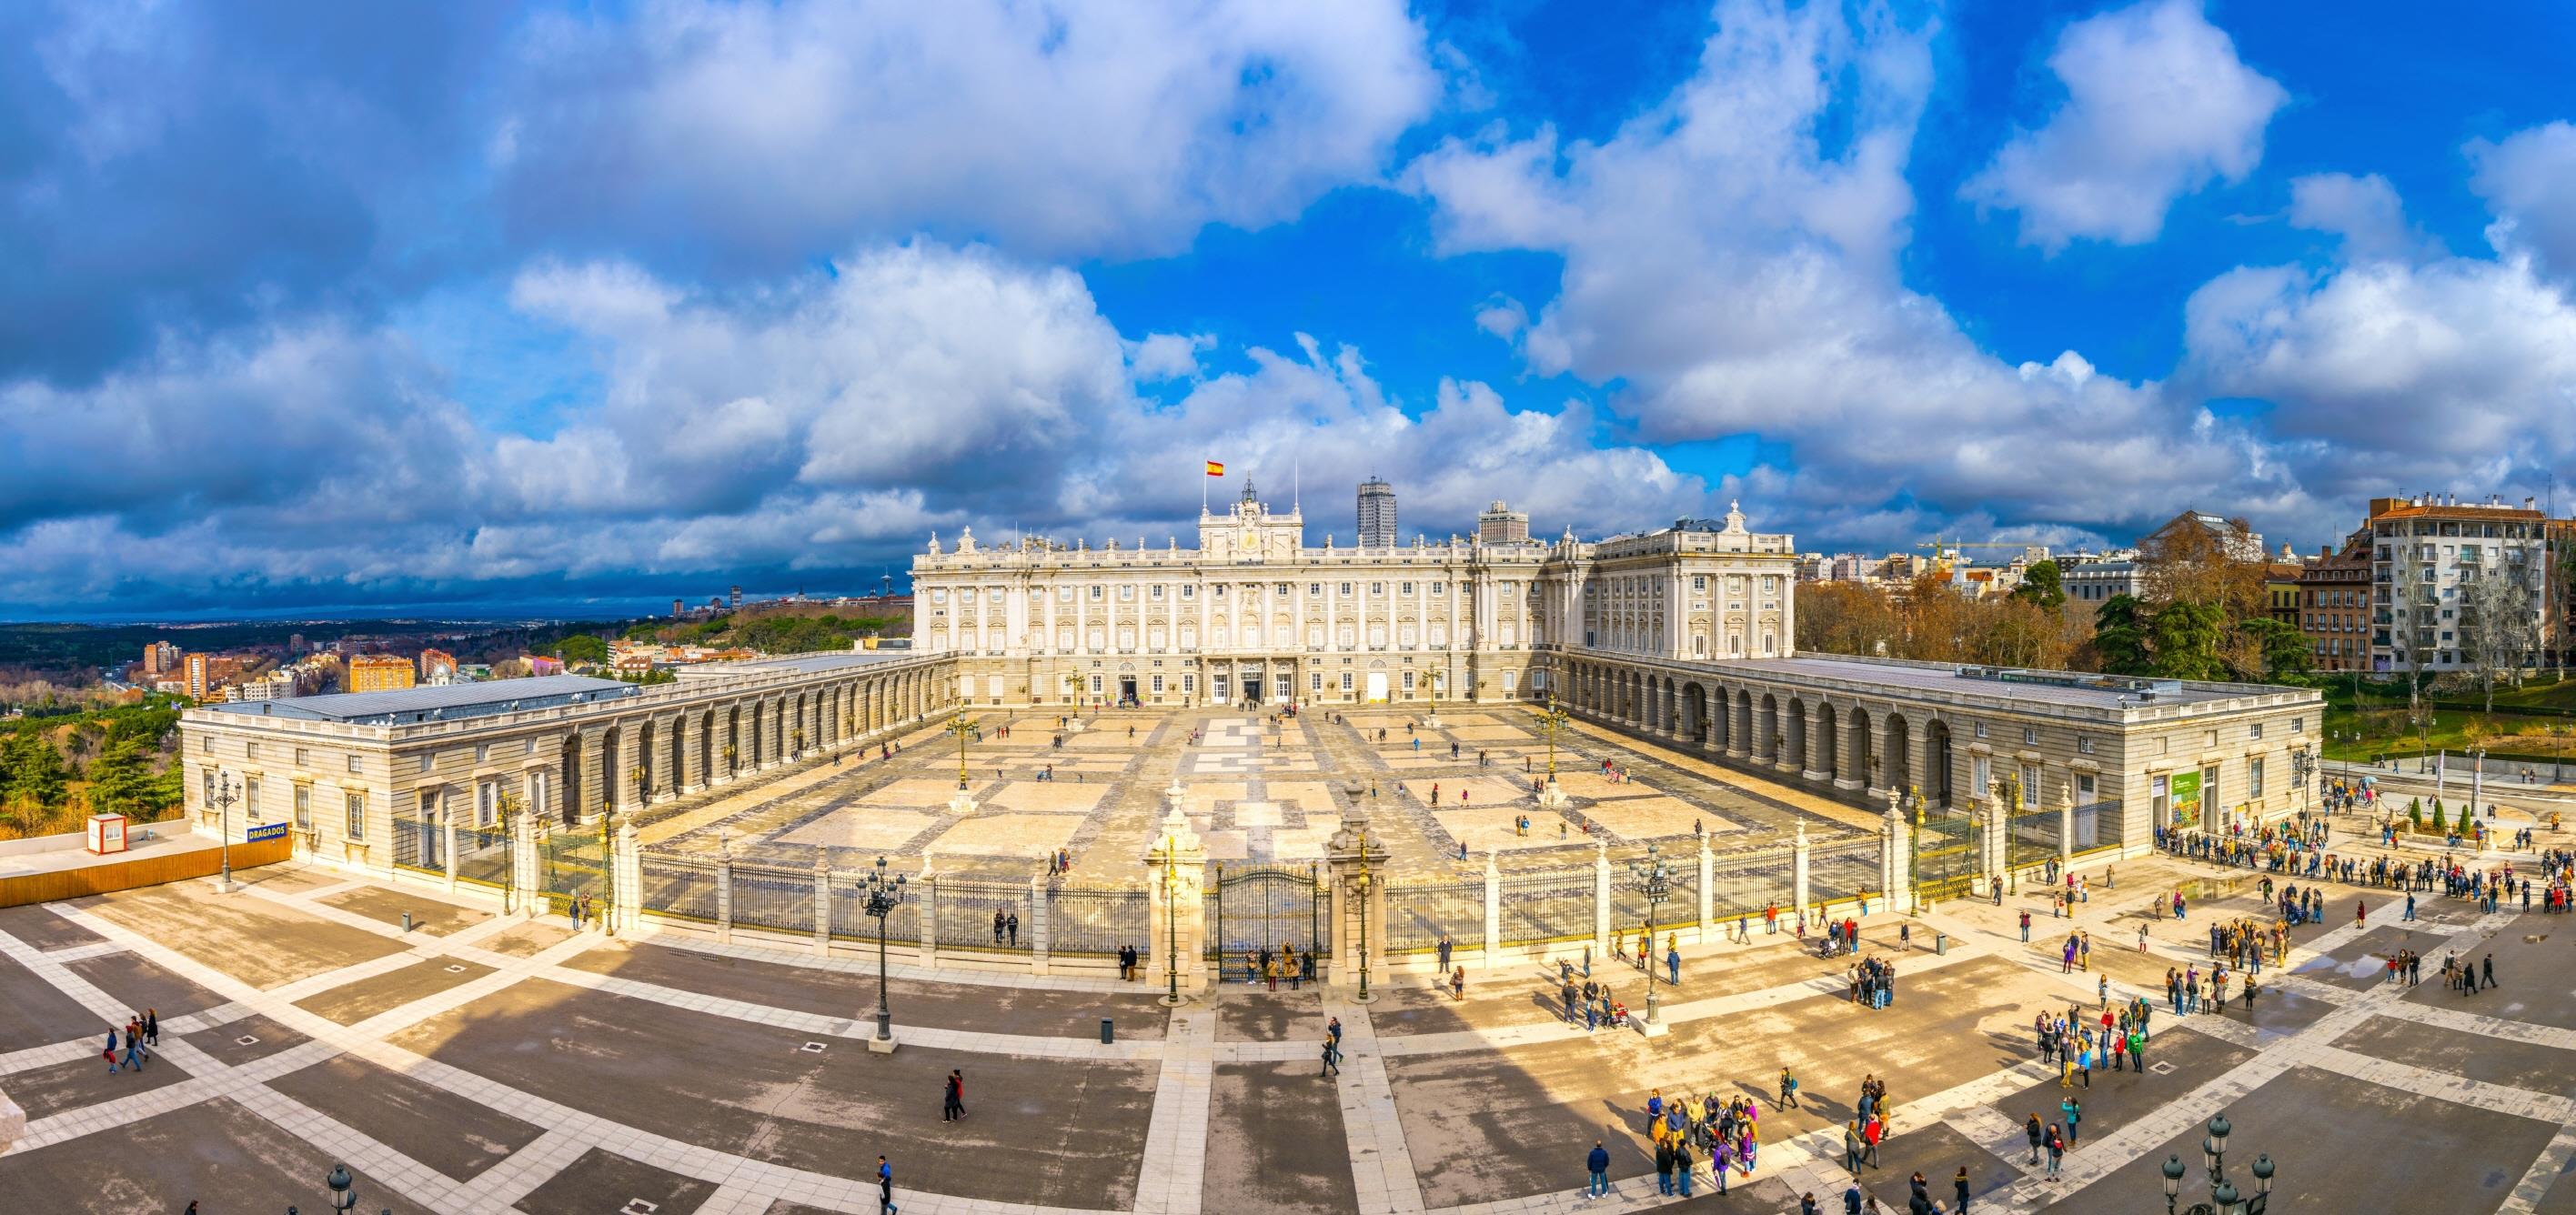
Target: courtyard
point(481, 1061)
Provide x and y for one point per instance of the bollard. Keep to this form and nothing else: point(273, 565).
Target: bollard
point(1104, 1031)
point(406, 923)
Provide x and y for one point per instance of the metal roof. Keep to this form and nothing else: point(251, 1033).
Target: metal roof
point(1997, 683)
point(438, 703)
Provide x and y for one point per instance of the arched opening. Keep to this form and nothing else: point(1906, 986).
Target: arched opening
point(1936, 786)
point(1900, 754)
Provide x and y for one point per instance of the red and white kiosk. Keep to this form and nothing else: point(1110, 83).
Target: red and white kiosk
point(106, 833)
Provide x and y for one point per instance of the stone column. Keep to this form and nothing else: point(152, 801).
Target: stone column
point(1896, 865)
point(1493, 912)
point(1037, 926)
point(1876, 775)
point(523, 861)
point(724, 896)
point(627, 861)
point(1798, 869)
point(1357, 863)
point(1739, 728)
point(823, 904)
point(1781, 759)
point(1176, 883)
point(1765, 726)
point(2065, 829)
point(1807, 756)
point(1707, 895)
point(1601, 897)
point(1847, 748)
point(1998, 840)
point(447, 842)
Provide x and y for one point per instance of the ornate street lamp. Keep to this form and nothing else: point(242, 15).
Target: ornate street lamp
point(884, 894)
point(1360, 883)
point(2224, 1198)
point(1553, 719)
point(1652, 879)
point(2007, 789)
point(224, 799)
point(961, 725)
point(1172, 924)
point(344, 1194)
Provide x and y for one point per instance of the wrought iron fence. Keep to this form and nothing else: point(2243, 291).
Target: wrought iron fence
point(682, 888)
point(1096, 920)
point(982, 915)
point(483, 856)
point(1745, 883)
point(776, 898)
point(417, 846)
point(1681, 900)
point(1548, 905)
point(1840, 872)
point(1417, 916)
point(572, 865)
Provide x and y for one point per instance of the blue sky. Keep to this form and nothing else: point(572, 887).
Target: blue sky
point(486, 307)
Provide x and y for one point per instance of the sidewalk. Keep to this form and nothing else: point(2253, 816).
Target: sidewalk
point(165, 839)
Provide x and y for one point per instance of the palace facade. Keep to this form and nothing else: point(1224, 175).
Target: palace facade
point(1252, 615)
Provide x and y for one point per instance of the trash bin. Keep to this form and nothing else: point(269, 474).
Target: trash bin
point(406, 921)
point(1940, 943)
point(1104, 1031)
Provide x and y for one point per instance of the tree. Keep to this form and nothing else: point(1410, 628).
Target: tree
point(121, 779)
point(2120, 636)
point(2040, 584)
point(35, 772)
point(582, 647)
point(2499, 630)
point(2284, 649)
point(2187, 634)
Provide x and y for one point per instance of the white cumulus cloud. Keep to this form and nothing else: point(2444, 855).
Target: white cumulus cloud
point(2157, 105)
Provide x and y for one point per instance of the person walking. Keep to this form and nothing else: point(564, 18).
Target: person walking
point(1458, 983)
point(152, 1027)
point(2025, 926)
point(1444, 951)
point(1960, 1183)
point(953, 1104)
point(1851, 1147)
point(885, 1187)
point(1597, 1164)
point(1673, 963)
point(2056, 1152)
point(1788, 1091)
point(1332, 1059)
point(2038, 1136)
point(2486, 971)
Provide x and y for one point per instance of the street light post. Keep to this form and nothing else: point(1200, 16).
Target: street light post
point(1553, 719)
point(1171, 924)
point(1652, 879)
point(1360, 883)
point(884, 894)
point(961, 726)
point(2224, 1197)
point(224, 799)
point(344, 1193)
point(2007, 789)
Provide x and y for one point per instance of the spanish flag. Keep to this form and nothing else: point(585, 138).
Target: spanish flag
point(1215, 469)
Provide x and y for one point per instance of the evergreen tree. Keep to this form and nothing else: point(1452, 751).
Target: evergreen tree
point(2041, 584)
point(120, 778)
point(2187, 634)
point(35, 772)
point(2120, 636)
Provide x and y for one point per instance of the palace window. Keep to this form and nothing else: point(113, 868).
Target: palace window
point(357, 823)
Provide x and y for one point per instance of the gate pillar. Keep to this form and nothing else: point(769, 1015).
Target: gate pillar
point(1357, 864)
point(1797, 870)
point(1176, 878)
point(1999, 840)
point(2065, 829)
point(1896, 867)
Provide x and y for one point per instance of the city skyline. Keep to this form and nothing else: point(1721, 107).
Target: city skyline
point(436, 312)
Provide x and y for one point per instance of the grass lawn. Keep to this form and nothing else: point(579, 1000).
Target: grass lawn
point(2384, 732)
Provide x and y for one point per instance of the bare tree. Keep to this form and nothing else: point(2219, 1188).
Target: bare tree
point(2412, 603)
point(2499, 630)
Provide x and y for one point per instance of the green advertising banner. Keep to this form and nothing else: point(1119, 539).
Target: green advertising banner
point(2183, 794)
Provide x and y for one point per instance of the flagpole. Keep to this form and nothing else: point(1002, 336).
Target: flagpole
point(1203, 480)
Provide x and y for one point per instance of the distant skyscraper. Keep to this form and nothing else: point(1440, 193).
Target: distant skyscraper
point(677, 610)
point(737, 599)
point(1502, 525)
point(1377, 514)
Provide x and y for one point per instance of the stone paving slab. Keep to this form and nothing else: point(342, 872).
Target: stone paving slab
point(224, 1044)
point(752, 1091)
point(141, 984)
point(455, 1136)
point(2322, 1130)
point(853, 994)
point(1275, 1141)
point(430, 915)
point(601, 1181)
point(525, 940)
point(41, 928)
point(258, 941)
point(215, 1151)
point(62, 1087)
point(354, 1002)
point(33, 1013)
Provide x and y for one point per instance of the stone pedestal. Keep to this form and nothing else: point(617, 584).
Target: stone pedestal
point(1356, 863)
point(963, 803)
point(1553, 797)
point(13, 1123)
point(1176, 878)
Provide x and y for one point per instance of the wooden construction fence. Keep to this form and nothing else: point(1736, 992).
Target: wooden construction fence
point(20, 889)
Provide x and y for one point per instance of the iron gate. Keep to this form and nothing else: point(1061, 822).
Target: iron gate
point(2031, 838)
point(1946, 845)
point(1252, 908)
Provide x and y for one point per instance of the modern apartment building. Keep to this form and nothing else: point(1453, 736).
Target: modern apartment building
point(2426, 552)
